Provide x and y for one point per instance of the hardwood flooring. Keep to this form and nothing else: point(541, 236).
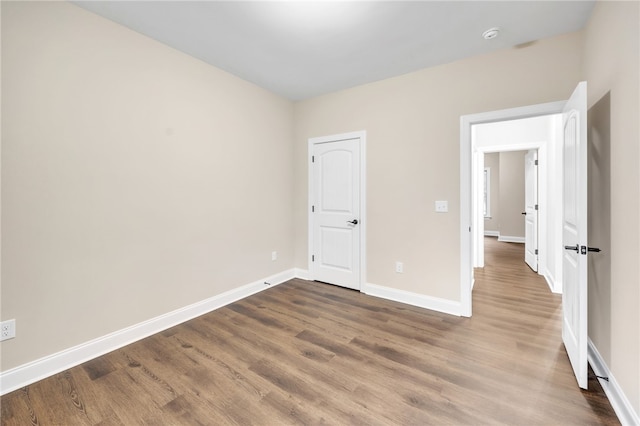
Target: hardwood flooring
point(311, 353)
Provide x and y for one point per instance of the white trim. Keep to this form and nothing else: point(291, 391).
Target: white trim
point(486, 186)
point(549, 281)
point(491, 233)
point(466, 121)
point(303, 274)
point(554, 285)
point(478, 220)
point(511, 239)
point(420, 300)
point(31, 372)
point(619, 401)
point(362, 136)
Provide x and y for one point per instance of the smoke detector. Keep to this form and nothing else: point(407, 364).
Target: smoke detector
point(491, 33)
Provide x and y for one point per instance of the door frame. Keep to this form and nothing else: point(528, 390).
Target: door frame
point(478, 219)
point(466, 181)
point(539, 238)
point(361, 135)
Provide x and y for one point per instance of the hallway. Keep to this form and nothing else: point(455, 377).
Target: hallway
point(525, 318)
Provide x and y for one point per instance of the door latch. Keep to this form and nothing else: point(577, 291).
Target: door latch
point(585, 249)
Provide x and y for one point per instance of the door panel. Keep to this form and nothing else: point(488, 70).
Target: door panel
point(531, 209)
point(336, 247)
point(574, 232)
point(336, 206)
point(335, 181)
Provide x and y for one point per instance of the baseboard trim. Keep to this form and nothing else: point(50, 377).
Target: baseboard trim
point(420, 300)
point(547, 278)
point(510, 239)
point(491, 233)
point(31, 372)
point(428, 302)
point(303, 274)
point(616, 396)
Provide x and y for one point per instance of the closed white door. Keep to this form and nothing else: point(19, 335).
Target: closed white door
point(335, 217)
point(531, 209)
point(574, 232)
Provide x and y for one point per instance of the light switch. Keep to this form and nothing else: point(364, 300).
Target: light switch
point(442, 206)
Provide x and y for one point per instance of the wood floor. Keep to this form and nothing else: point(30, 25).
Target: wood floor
point(310, 353)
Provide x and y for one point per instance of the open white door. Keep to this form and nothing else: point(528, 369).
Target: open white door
point(574, 232)
point(531, 209)
point(335, 212)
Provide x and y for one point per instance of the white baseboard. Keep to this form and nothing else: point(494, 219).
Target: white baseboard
point(491, 233)
point(549, 281)
point(554, 285)
point(303, 274)
point(621, 405)
point(31, 372)
point(510, 239)
point(423, 301)
point(420, 300)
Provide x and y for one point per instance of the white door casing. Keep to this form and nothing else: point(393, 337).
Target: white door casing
point(467, 219)
point(574, 232)
point(531, 209)
point(336, 219)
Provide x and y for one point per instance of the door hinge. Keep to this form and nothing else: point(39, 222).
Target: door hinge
point(536, 251)
point(313, 258)
point(313, 209)
point(536, 163)
point(536, 207)
point(313, 158)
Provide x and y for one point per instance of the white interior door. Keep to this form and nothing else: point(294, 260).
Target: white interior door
point(574, 232)
point(336, 221)
point(531, 209)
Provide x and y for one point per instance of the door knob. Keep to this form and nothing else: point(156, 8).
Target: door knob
point(523, 213)
point(353, 222)
point(576, 248)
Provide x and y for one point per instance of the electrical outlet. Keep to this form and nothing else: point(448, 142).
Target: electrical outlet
point(7, 330)
point(442, 206)
point(274, 255)
point(399, 267)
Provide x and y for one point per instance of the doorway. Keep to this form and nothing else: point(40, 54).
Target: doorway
point(573, 217)
point(470, 163)
point(508, 206)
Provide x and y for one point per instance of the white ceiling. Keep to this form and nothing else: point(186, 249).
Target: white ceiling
point(301, 49)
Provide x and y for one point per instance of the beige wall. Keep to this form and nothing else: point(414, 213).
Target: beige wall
point(413, 155)
point(511, 202)
point(611, 68)
point(135, 179)
point(492, 161)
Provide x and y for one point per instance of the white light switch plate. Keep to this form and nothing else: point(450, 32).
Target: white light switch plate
point(442, 206)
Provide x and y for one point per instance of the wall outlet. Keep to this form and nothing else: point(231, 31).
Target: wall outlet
point(7, 329)
point(274, 255)
point(442, 206)
point(399, 267)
